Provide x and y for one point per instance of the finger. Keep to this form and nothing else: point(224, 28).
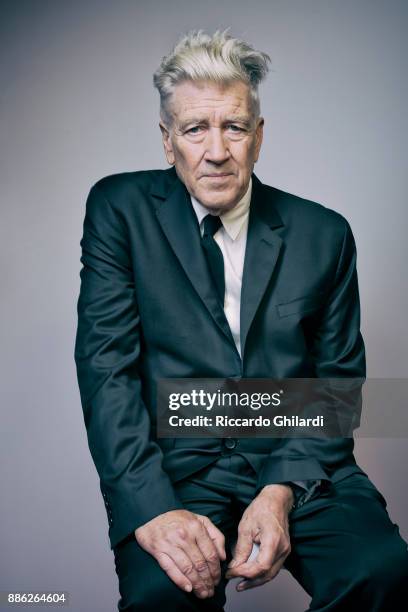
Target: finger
point(243, 549)
point(244, 585)
point(258, 581)
point(251, 570)
point(268, 551)
point(169, 566)
point(272, 545)
point(215, 534)
point(186, 566)
point(241, 569)
point(201, 565)
point(210, 553)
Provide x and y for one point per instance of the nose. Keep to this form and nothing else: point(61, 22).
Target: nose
point(217, 150)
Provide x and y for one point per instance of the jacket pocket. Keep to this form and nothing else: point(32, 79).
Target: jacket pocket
point(307, 303)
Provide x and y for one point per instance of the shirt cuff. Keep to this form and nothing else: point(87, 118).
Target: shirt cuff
point(304, 490)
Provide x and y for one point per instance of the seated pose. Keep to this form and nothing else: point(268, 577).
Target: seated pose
point(203, 271)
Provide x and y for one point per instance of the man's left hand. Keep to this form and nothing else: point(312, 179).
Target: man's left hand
point(265, 522)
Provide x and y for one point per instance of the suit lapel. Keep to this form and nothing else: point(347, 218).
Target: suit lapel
point(261, 254)
point(179, 223)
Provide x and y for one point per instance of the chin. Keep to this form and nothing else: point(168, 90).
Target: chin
point(218, 200)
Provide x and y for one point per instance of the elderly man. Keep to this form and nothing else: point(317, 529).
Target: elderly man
point(203, 271)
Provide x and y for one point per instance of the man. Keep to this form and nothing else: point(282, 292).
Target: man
point(202, 271)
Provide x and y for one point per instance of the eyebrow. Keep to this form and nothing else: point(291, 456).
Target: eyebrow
point(233, 119)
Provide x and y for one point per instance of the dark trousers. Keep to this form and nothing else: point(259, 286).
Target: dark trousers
point(346, 552)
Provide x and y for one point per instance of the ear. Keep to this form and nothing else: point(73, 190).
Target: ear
point(258, 137)
point(168, 147)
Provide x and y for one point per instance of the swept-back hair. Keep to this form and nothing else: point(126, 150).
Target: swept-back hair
point(219, 58)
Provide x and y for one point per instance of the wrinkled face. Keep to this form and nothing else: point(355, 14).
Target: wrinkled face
point(213, 140)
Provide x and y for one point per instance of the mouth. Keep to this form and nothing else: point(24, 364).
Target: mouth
point(217, 175)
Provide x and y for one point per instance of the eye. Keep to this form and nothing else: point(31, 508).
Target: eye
point(196, 129)
point(235, 128)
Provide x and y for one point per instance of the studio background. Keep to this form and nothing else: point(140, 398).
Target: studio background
point(77, 103)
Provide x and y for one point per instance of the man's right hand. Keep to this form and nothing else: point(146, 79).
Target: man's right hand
point(188, 547)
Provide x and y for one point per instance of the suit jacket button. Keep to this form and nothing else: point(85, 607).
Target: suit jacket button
point(230, 443)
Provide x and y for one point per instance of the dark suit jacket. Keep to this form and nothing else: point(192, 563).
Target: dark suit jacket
point(147, 309)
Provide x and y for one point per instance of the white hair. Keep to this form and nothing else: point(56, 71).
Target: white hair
point(219, 58)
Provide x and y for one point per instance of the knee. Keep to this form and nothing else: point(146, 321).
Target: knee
point(387, 570)
point(143, 585)
point(153, 592)
point(376, 579)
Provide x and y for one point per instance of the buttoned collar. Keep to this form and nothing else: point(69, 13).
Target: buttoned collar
point(233, 219)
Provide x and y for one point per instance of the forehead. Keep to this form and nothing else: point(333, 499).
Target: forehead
point(205, 98)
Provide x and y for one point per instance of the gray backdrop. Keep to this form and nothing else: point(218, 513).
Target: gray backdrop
point(77, 103)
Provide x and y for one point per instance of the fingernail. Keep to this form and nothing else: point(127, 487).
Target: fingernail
point(232, 563)
point(188, 588)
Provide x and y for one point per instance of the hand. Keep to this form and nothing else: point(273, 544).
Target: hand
point(265, 522)
point(188, 547)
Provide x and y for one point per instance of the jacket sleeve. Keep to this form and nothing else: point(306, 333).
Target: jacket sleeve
point(337, 350)
point(134, 486)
